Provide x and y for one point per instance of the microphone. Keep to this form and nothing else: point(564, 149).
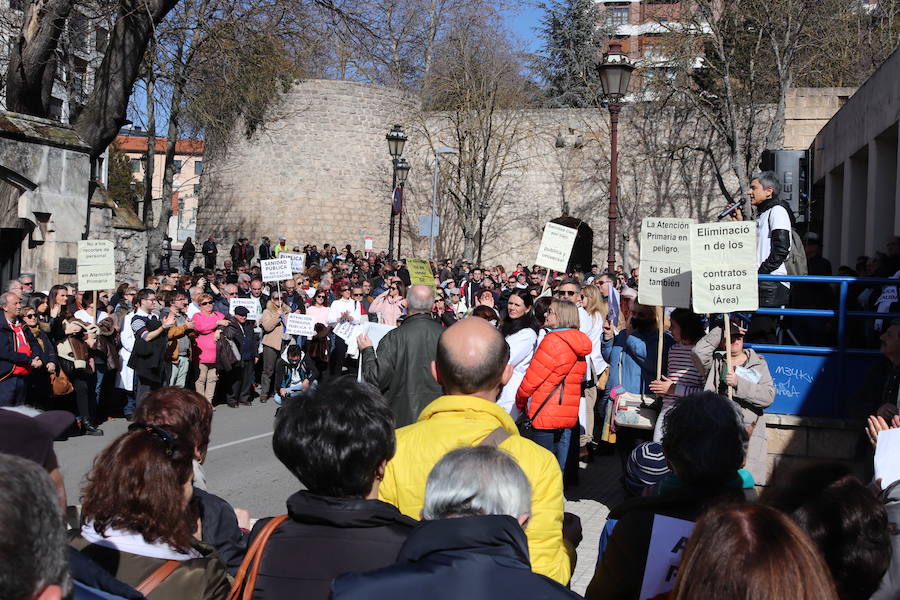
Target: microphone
point(739, 204)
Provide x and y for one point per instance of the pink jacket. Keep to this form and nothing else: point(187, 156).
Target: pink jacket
point(205, 326)
point(389, 308)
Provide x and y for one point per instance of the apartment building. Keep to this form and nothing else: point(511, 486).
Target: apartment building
point(185, 184)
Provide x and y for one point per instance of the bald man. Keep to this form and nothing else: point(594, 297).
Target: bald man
point(401, 368)
point(471, 365)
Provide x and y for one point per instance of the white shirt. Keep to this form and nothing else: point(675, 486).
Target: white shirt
point(772, 219)
point(82, 315)
point(521, 350)
point(340, 306)
point(192, 310)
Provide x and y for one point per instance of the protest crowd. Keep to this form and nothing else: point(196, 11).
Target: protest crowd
point(434, 425)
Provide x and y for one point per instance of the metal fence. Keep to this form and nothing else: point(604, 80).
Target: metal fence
point(821, 381)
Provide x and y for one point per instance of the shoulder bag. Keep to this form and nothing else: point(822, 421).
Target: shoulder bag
point(526, 423)
point(245, 580)
point(635, 411)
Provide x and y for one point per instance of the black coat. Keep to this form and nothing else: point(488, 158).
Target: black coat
point(468, 558)
point(323, 538)
point(219, 528)
point(148, 359)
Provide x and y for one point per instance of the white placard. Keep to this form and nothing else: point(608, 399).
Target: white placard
point(723, 267)
point(96, 265)
point(887, 457)
point(300, 324)
point(368, 244)
point(276, 269)
point(298, 261)
point(556, 247)
point(251, 304)
point(667, 542)
point(377, 331)
point(347, 330)
point(665, 262)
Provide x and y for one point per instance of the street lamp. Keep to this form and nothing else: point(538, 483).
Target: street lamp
point(434, 192)
point(396, 139)
point(615, 74)
point(402, 170)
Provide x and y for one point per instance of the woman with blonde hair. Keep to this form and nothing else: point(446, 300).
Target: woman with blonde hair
point(206, 322)
point(550, 392)
point(597, 308)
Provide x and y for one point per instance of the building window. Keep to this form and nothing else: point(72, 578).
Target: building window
point(17, 4)
point(101, 38)
point(135, 165)
point(617, 15)
point(196, 189)
point(177, 166)
point(198, 167)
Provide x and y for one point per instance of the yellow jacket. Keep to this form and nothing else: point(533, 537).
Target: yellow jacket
point(451, 422)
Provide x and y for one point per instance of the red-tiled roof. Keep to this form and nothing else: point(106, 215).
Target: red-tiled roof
point(134, 143)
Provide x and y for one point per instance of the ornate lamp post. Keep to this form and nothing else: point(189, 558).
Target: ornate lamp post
point(396, 139)
point(401, 170)
point(615, 74)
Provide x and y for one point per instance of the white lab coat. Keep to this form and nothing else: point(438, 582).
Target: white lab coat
point(521, 350)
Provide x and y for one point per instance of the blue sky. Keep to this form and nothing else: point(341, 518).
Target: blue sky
point(522, 20)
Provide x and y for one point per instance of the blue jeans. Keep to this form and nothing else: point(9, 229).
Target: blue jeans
point(554, 440)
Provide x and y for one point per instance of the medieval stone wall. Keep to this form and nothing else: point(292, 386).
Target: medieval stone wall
point(320, 172)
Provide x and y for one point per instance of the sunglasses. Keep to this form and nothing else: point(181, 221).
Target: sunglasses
point(31, 316)
point(205, 303)
point(566, 293)
point(320, 296)
point(276, 297)
point(357, 295)
point(27, 283)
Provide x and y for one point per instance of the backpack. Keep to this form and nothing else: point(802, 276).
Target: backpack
point(795, 263)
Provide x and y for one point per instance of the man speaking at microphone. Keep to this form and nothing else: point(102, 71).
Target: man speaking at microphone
point(773, 245)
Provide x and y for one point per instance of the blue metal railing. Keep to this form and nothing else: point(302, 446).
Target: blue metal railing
point(839, 353)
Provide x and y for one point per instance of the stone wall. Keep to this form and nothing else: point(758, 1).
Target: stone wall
point(320, 172)
point(807, 110)
point(795, 442)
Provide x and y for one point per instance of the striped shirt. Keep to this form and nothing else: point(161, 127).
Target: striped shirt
point(683, 373)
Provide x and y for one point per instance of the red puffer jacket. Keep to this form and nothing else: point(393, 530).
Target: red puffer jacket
point(560, 355)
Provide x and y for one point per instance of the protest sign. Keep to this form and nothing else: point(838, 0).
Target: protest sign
point(376, 331)
point(251, 304)
point(419, 272)
point(665, 262)
point(96, 265)
point(723, 267)
point(368, 244)
point(556, 247)
point(276, 269)
point(298, 261)
point(347, 330)
point(299, 324)
point(668, 539)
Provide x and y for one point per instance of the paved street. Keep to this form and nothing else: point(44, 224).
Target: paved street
point(241, 468)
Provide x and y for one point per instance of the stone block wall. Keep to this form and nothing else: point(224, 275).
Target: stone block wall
point(798, 441)
point(807, 110)
point(320, 172)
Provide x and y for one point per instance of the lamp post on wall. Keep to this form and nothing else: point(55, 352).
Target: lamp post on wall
point(402, 170)
point(396, 139)
point(615, 74)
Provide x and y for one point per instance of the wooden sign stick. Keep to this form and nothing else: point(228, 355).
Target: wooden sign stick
point(659, 345)
point(96, 308)
point(728, 351)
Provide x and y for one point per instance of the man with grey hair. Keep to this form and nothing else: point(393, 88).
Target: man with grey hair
point(194, 307)
point(471, 543)
point(33, 562)
point(20, 352)
point(773, 245)
point(401, 368)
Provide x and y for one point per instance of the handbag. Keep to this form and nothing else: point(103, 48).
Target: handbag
point(635, 411)
point(526, 423)
point(245, 580)
point(60, 384)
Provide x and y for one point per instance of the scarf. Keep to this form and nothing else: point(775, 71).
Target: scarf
point(36, 332)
